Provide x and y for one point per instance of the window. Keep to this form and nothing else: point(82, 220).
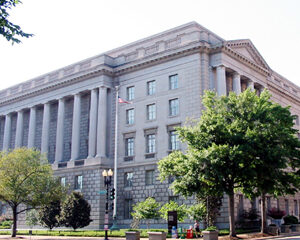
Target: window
point(174, 140)
point(129, 147)
point(296, 212)
point(268, 203)
point(78, 182)
point(297, 120)
point(151, 143)
point(174, 107)
point(151, 112)
point(127, 208)
point(287, 206)
point(63, 181)
point(149, 177)
point(173, 81)
point(174, 199)
point(130, 93)
point(128, 179)
point(151, 87)
point(130, 116)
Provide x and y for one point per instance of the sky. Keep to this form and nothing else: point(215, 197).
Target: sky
point(68, 31)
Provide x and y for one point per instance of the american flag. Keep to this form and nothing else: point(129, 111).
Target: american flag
point(123, 101)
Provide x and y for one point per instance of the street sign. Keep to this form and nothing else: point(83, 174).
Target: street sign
point(102, 192)
point(105, 227)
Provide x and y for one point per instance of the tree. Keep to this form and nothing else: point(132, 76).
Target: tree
point(75, 211)
point(26, 178)
point(49, 215)
point(197, 212)
point(221, 155)
point(32, 218)
point(7, 29)
point(146, 210)
point(173, 206)
point(276, 154)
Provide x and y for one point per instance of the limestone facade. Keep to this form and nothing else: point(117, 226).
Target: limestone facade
point(69, 114)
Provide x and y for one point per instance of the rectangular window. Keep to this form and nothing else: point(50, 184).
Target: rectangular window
point(127, 208)
point(149, 178)
point(174, 140)
point(174, 107)
point(130, 116)
point(296, 212)
point(128, 179)
point(174, 199)
point(130, 93)
point(297, 120)
point(151, 87)
point(151, 112)
point(268, 203)
point(129, 147)
point(63, 181)
point(151, 143)
point(173, 81)
point(287, 206)
point(78, 182)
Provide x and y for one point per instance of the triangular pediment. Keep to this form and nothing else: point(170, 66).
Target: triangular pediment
point(246, 48)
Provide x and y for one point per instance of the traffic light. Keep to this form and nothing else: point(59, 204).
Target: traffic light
point(112, 206)
point(112, 194)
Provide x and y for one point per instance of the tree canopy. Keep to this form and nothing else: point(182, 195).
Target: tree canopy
point(182, 210)
point(26, 178)
point(9, 30)
point(222, 152)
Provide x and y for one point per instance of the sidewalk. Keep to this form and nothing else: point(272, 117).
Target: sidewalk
point(253, 236)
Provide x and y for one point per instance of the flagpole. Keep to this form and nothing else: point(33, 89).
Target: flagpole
point(114, 226)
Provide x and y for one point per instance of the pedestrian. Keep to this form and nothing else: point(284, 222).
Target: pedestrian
point(197, 229)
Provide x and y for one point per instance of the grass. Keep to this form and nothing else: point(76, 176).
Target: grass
point(101, 233)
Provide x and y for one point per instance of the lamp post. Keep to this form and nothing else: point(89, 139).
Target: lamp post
point(107, 181)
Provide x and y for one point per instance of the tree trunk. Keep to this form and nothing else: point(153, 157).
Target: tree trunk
point(14, 229)
point(231, 215)
point(263, 214)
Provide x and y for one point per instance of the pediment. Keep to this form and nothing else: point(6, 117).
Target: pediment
point(248, 50)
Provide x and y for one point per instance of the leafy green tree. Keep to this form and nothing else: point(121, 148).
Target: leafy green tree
point(275, 150)
point(49, 215)
point(197, 212)
point(75, 211)
point(146, 210)
point(7, 29)
point(221, 155)
point(26, 178)
point(32, 218)
point(173, 206)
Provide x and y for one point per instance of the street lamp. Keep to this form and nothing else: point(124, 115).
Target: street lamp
point(107, 181)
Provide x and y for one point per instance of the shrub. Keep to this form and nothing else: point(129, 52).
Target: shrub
point(276, 213)
point(290, 220)
point(50, 214)
point(211, 228)
point(252, 214)
point(75, 211)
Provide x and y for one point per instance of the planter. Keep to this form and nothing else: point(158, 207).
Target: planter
point(132, 235)
point(157, 235)
point(210, 235)
point(285, 228)
point(273, 230)
point(296, 227)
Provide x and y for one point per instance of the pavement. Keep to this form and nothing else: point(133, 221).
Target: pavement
point(252, 236)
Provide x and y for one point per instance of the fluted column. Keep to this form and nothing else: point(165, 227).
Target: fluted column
point(221, 81)
point(19, 130)
point(60, 131)
point(250, 84)
point(236, 83)
point(93, 124)
point(7, 132)
point(45, 128)
point(76, 127)
point(32, 125)
point(101, 125)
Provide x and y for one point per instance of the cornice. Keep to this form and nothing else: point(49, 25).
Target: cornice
point(282, 92)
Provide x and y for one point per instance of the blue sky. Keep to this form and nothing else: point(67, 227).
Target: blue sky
point(71, 30)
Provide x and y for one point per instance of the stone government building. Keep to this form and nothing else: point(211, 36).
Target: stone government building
point(69, 114)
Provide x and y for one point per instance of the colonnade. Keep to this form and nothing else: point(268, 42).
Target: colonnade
point(97, 126)
point(221, 82)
